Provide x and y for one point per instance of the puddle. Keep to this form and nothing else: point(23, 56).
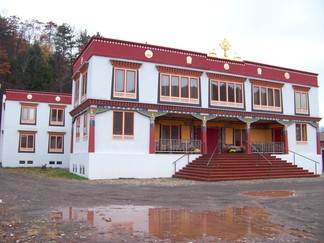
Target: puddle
point(270, 193)
point(118, 222)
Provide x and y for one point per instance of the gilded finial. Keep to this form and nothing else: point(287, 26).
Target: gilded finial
point(225, 46)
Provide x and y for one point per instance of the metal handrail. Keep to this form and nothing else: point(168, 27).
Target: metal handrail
point(314, 161)
point(212, 154)
point(261, 154)
point(175, 162)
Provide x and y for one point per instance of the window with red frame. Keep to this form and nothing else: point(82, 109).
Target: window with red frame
point(226, 93)
point(77, 126)
point(125, 83)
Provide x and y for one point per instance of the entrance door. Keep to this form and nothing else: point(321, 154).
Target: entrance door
point(212, 140)
point(277, 135)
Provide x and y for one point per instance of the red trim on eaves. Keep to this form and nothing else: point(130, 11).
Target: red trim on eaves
point(39, 97)
point(99, 46)
point(193, 110)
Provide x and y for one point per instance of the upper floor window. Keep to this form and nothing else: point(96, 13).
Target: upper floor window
point(84, 85)
point(226, 91)
point(76, 92)
point(57, 115)
point(179, 86)
point(123, 124)
point(56, 142)
point(27, 141)
point(125, 80)
point(28, 114)
point(301, 132)
point(301, 100)
point(267, 96)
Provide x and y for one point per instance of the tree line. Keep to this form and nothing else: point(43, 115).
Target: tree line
point(38, 56)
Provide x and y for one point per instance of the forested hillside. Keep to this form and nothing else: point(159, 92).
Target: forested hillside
point(36, 55)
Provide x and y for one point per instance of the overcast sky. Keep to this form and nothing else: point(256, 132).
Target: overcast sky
point(288, 33)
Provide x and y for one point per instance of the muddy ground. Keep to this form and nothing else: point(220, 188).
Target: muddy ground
point(36, 209)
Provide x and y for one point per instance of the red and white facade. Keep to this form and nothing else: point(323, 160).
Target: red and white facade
point(35, 129)
point(137, 108)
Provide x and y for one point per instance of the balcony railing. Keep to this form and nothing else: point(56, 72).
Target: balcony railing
point(268, 147)
point(177, 146)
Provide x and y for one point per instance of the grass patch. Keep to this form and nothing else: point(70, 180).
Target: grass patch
point(48, 172)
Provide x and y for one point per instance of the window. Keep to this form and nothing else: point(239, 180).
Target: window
point(170, 132)
point(56, 143)
point(28, 114)
point(76, 92)
point(301, 100)
point(301, 132)
point(27, 141)
point(57, 115)
point(123, 124)
point(179, 85)
point(226, 93)
point(179, 89)
point(266, 96)
point(84, 85)
point(77, 130)
point(85, 125)
point(239, 137)
point(125, 83)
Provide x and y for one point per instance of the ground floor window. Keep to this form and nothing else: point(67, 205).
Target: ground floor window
point(301, 132)
point(56, 143)
point(239, 137)
point(170, 132)
point(27, 141)
point(123, 124)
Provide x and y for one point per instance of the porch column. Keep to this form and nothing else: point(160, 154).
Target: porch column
point(152, 134)
point(91, 147)
point(285, 139)
point(248, 138)
point(318, 139)
point(204, 136)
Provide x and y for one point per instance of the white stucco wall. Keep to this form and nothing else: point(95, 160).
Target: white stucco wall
point(114, 166)
point(12, 126)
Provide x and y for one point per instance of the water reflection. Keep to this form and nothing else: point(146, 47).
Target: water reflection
point(177, 224)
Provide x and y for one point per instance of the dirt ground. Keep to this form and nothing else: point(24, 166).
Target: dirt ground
point(31, 210)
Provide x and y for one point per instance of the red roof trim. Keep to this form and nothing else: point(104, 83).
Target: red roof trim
point(40, 97)
point(112, 48)
point(181, 109)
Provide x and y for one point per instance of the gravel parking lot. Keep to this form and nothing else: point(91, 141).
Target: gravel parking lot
point(37, 209)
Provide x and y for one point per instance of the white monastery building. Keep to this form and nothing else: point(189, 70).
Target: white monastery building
point(35, 129)
point(138, 108)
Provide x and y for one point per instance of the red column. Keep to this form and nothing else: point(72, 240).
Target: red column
point(248, 138)
point(152, 134)
point(204, 136)
point(91, 147)
point(318, 140)
point(285, 138)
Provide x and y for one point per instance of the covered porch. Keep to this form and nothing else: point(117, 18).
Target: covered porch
point(204, 134)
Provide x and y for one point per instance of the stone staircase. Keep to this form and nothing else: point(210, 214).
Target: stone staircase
point(237, 166)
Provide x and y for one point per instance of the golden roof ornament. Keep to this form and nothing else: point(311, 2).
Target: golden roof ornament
point(225, 46)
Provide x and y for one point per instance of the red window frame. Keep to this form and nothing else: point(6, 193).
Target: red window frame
point(267, 98)
point(84, 86)
point(128, 92)
point(77, 128)
point(85, 125)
